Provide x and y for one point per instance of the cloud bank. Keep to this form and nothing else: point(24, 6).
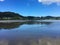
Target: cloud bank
point(48, 2)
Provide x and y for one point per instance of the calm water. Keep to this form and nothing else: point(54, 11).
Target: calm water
point(30, 33)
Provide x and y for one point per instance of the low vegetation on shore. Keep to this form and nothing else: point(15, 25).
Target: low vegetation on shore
point(49, 18)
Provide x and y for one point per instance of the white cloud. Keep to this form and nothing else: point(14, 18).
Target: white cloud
point(2, 0)
point(48, 2)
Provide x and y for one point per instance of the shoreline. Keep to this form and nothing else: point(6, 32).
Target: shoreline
point(14, 20)
point(29, 20)
point(50, 20)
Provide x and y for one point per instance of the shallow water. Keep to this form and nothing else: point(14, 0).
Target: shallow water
point(30, 33)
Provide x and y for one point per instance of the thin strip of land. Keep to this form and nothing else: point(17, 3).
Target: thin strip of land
point(14, 20)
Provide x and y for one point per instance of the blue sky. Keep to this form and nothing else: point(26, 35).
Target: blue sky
point(31, 7)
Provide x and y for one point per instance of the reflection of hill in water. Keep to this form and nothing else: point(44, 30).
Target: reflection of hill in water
point(37, 22)
point(12, 25)
point(47, 23)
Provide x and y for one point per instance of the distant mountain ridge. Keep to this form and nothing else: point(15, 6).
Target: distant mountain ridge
point(15, 16)
point(10, 15)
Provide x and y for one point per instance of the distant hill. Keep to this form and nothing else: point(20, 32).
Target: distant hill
point(50, 18)
point(10, 15)
point(15, 16)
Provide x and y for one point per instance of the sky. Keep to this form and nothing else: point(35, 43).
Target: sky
point(31, 7)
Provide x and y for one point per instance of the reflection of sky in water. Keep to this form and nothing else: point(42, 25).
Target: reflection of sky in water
point(32, 34)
